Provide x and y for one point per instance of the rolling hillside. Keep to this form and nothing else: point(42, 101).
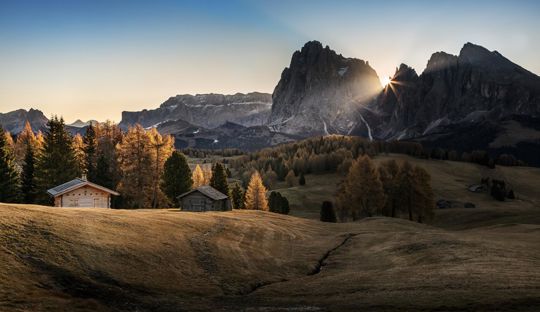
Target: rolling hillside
point(65, 259)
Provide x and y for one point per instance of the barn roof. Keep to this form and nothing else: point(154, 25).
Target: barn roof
point(208, 191)
point(75, 184)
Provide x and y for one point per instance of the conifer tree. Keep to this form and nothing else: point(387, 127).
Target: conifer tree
point(90, 151)
point(102, 174)
point(28, 183)
point(9, 178)
point(162, 147)
point(290, 178)
point(56, 163)
point(237, 197)
point(388, 173)
point(278, 203)
point(23, 139)
point(406, 189)
point(302, 179)
point(361, 192)
point(219, 179)
point(424, 198)
point(176, 177)
point(327, 212)
point(255, 197)
point(78, 149)
point(135, 161)
point(197, 177)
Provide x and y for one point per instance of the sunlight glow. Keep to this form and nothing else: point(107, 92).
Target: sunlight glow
point(385, 81)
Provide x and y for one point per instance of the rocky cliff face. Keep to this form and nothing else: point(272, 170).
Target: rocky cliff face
point(205, 110)
point(319, 91)
point(473, 86)
point(14, 121)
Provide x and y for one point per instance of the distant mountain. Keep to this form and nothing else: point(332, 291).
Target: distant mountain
point(476, 100)
point(320, 91)
point(205, 110)
point(81, 124)
point(228, 135)
point(14, 121)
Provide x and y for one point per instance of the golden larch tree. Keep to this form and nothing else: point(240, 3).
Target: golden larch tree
point(255, 198)
point(197, 177)
point(162, 148)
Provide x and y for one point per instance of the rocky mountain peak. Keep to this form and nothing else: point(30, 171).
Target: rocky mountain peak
point(405, 73)
point(439, 61)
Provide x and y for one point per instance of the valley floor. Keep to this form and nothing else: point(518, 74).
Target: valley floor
point(66, 259)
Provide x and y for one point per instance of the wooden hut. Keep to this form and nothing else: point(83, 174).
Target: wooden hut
point(81, 193)
point(204, 198)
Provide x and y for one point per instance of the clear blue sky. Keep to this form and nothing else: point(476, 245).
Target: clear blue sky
point(93, 59)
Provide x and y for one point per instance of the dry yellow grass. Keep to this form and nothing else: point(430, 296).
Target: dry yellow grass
point(65, 259)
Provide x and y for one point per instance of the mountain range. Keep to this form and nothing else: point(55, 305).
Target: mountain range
point(475, 100)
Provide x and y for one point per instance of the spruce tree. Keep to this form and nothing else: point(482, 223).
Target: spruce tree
point(219, 179)
point(237, 197)
point(90, 151)
point(102, 173)
point(28, 183)
point(176, 178)
point(9, 178)
point(302, 179)
point(255, 197)
point(56, 163)
point(327, 212)
point(278, 203)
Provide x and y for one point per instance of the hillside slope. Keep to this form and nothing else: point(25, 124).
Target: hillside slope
point(65, 259)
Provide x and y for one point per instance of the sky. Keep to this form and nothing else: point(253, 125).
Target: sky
point(94, 59)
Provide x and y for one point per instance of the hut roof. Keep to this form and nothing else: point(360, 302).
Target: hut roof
point(75, 184)
point(208, 191)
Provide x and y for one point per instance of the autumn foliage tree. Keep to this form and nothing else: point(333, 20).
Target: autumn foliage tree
point(361, 194)
point(255, 197)
point(197, 177)
point(9, 178)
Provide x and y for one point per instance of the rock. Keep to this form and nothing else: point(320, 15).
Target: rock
point(205, 110)
point(14, 121)
point(469, 205)
point(476, 188)
point(444, 204)
point(320, 92)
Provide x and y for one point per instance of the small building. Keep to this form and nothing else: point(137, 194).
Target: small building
point(204, 198)
point(81, 193)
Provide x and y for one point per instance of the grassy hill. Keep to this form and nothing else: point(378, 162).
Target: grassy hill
point(450, 180)
point(66, 259)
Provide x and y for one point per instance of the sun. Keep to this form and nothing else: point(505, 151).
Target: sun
point(385, 81)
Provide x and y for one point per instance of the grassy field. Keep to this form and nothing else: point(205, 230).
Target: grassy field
point(66, 259)
point(450, 180)
point(480, 259)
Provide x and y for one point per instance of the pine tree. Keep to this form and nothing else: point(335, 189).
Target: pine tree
point(56, 163)
point(9, 178)
point(361, 193)
point(255, 197)
point(102, 173)
point(219, 179)
point(302, 179)
point(278, 203)
point(197, 177)
point(237, 197)
point(90, 151)
point(327, 212)
point(28, 183)
point(176, 177)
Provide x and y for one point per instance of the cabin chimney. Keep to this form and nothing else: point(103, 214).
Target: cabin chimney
point(84, 177)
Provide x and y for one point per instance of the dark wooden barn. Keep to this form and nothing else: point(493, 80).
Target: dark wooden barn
point(204, 198)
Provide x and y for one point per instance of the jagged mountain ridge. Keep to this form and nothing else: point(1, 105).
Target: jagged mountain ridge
point(319, 92)
point(14, 121)
point(205, 110)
